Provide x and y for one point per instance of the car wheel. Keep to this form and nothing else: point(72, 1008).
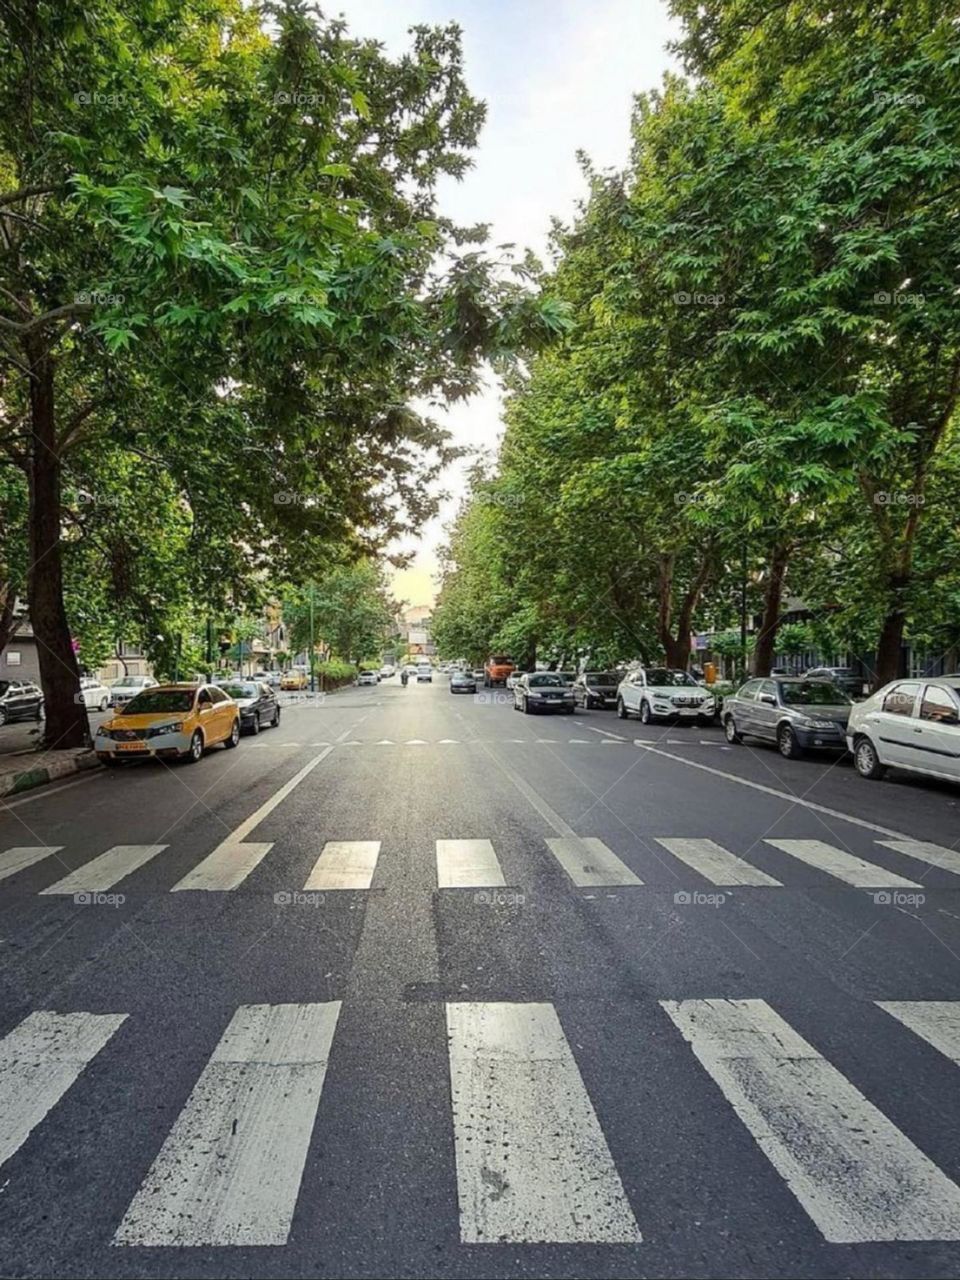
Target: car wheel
point(104, 703)
point(234, 735)
point(621, 710)
point(255, 727)
point(866, 761)
point(525, 707)
point(646, 716)
point(195, 750)
point(787, 743)
point(3, 715)
point(40, 713)
point(730, 730)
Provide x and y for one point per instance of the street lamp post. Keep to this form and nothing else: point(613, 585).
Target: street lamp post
point(313, 654)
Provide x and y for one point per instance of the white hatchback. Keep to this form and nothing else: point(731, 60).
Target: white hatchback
point(663, 693)
point(912, 725)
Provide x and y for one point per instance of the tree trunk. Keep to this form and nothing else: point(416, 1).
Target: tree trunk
point(773, 595)
point(67, 724)
point(9, 625)
point(890, 644)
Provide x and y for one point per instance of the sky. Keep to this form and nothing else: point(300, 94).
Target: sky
point(558, 76)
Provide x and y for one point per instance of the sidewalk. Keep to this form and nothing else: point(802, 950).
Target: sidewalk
point(23, 767)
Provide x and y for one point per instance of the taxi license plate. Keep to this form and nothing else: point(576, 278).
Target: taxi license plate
point(131, 746)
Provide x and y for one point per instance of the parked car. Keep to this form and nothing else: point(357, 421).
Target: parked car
point(20, 700)
point(294, 680)
point(387, 671)
point(496, 669)
point(845, 677)
point(912, 725)
point(257, 702)
point(424, 673)
point(793, 712)
point(273, 678)
point(663, 693)
point(127, 687)
point(367, 677)
point(542, 691)
point(596, 689)
point(513, 679)
point(169, 720)
point(478, 673)
point(462, 682)
point(93, 693)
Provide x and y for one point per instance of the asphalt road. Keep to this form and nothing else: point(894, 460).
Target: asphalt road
point(273, 1028)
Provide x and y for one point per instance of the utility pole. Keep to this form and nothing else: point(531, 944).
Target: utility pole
point(743, 612)
point(313, 654)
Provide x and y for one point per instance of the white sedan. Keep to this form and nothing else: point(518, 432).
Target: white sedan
point(664, 693)
point(93, 693)
point(912, 725)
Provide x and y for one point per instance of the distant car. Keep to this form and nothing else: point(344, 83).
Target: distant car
point(542, 691)
point(664, 693)
point(478, 673)
point(793, 712)
point(367, 677)
point(176, 720)
point(93, 693)
point(387, 671)
point(424, 673)
point(462, 682)
point(845, 677)
point(273, 678)
point(513, 679)
point(294, 680)
point(257, 702)
point(912, 725)
point(596, 689)
point(20, 700)
point(127, 687)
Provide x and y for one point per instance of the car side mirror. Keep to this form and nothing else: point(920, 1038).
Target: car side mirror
point(769, 699)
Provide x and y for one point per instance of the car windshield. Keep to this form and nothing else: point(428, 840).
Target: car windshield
point(548, 679)
point(813, 693)
point(129, 682)
point(237, 690)
point(159, 700)
point(665, 676)
point(4, 686)
point(604, 678)
point(501, 661)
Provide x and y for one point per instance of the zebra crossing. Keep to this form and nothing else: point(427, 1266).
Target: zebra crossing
point(531, 1160)
point(586, 862)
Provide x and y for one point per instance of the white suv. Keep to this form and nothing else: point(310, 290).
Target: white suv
point(908, 724)
point(661, 693)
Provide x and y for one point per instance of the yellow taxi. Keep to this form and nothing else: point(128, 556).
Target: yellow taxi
point(177, 721)
point(294, 680)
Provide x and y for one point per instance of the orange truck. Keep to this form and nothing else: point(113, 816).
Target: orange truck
point(496, 669)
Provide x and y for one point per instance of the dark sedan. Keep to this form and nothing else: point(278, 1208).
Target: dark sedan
point(542, 691)
point(257, 702)
point(20, 700)
point(463, 682)
point(793, 712)
point(596, 689)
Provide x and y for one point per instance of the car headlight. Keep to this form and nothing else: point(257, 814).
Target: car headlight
point(177, 727)
point(809, 722)
point(102, 733)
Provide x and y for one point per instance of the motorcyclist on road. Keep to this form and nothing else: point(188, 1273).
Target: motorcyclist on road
point(404, 677)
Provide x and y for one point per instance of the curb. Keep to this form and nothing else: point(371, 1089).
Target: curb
point(13, 783)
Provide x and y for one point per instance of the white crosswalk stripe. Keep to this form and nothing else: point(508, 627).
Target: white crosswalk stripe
point(936, 854)
point(854, 1172)
point(39, 1061)
point(345, 864)
point(533, 1164)
point(936, 1021)
point(468, 864)
point(229, 1172)
point(715, 863)
point(23, 856)
point(589, 863)
point(844, 866)
point(109, 869)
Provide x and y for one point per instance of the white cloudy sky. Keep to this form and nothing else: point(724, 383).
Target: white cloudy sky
point(557, 76)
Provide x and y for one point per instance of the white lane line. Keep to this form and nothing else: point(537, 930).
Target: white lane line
point(448, 742)
point(936, 1021)
point(533, 1165)
point(549, 815)
point(23, 856)
point(581, 742)
point(229, 1171)
point(771, 791)
point(104, 872)
point(546, 741)
point(844, 866)
point(416, 742)
point(854, 1172)
point(39, 1061)
point(936, 854)
point(589, 863)
point(606, 733)
point(716, 864)
point(345, 864)
point(385, 742)
point(468, 864)
point(233, 859)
